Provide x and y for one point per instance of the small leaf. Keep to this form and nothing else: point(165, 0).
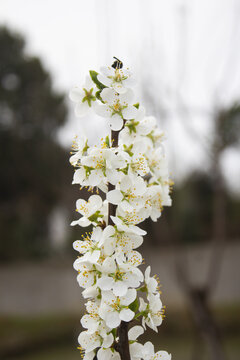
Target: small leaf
point(114, 332)
point(136, 105)
point(134, 305)
point(98, 95)
point(94, 75)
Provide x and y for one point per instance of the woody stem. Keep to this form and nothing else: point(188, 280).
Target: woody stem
point(123, 345)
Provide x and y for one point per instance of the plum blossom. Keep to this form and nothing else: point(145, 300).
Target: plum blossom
point(91, 341)
point(103, 164)
point(90, 211)
point(83, 97)
point(79, 147)
point(129, 196)
point(120, 278)
point(150, 282)
point(153, 311)
point(116, 107)
point(118, 79)
point(130, 168)
point(114, 309)
point(149, 354)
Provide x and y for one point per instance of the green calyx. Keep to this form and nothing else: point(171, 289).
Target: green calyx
point(88, 170)
point(132, 126)
point(89, 97)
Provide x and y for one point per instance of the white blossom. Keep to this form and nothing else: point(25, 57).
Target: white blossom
point(149, 354)
point(116, 107)
point(153, 310)
point(83, 97)
point(118, 79)
point(133, 174)
point(114, 309)
point(90, 211)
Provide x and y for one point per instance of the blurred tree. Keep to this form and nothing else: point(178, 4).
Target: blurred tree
point(33, 165)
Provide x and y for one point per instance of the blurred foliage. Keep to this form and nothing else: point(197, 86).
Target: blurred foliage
point(33, 165)
point(36, 176)
point(229, 126)
point(190, 219)
point(54, 336)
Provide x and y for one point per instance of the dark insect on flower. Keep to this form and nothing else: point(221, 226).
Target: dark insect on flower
point(117, 63)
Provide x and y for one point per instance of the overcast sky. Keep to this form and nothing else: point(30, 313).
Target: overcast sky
point(185, 55)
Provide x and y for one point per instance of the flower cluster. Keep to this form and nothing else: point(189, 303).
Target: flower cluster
point(131, 171)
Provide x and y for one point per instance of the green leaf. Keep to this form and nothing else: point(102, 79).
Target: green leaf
point(98, 95)
point(136, 105)
point(94, 75)
point(134, 305)
point(114, 332)
point(94, 217)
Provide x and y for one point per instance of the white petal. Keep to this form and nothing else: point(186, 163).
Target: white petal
point(89, 356)
point(102, 110)
point(73, 223)
point(129, 82)
point(109, 96)
point(126, 206)
point(88, 342)
point(119, 88)
point(136, 230)
point(127, 97)
point(134, 257)
point(95, 202)
point(84, 222)
point(126, 183)
point(109, 265)
point(104, 80)
point(89, 84)
point(119, 288)
point(113, 176)
point(135, 332)
point(95, 178)
point(136, 351)
point(93, 258)
point(89, 323)
point(129, 297)
point(140, 185)
point(104, 354)
point(112, 319)
point(79, 176)
point(85, 279)
point(130, 112)
point(149, 348)
point(81, 109)
point(90, 292)
point(116, 122)
point(126, 315)
point(105, 283)
point(107, 70)
point(108, 340)
point(76, 94)
point(147, 273)
point(162, 355)
point(114, 196)
point(142, 304)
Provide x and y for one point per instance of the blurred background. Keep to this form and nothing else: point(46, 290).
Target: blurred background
point(186, 58)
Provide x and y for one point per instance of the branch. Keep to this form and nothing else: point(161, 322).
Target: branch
point(123, 345)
